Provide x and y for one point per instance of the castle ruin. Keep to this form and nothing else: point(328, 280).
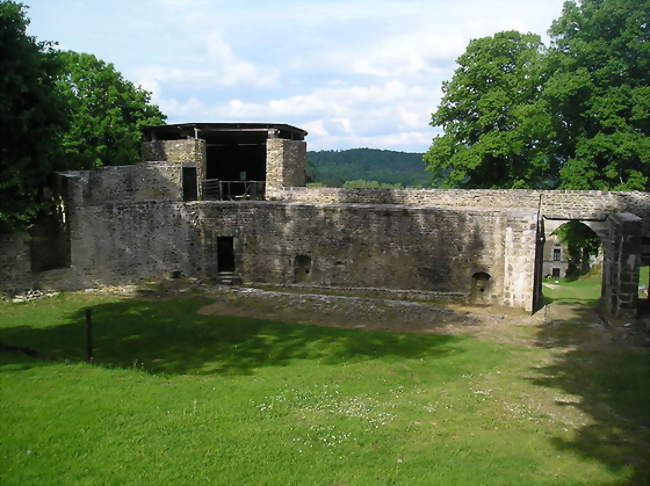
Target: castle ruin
point(228, 202)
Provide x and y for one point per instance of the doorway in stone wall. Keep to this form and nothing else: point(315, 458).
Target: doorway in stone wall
point(572, 265)
point(225, 254)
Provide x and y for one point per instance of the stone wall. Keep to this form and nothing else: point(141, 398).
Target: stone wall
point(376, 246)
point(552, 204)
point(437, 251)
point(621, 266)
point(184, 151)
point(125, 184)
point(285, 163)
point(190, 152)
point(129, 223)
point(15, 263)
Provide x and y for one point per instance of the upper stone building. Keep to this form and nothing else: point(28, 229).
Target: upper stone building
point(227, 200)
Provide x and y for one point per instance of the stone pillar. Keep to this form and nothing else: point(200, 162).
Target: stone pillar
point(520, 245)
point(621, 266)
point(189, 152)
point(285, 163)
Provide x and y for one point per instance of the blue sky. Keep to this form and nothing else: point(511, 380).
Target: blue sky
point(352, 73)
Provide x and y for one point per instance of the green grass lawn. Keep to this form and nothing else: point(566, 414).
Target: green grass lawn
point(176, 397)
point(585, 289)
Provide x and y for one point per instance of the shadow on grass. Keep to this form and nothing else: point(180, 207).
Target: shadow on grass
point(169, 336)
point(613, 384)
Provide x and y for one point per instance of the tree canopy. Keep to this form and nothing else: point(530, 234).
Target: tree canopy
point(574, 116)
point(31, 116)
point(600, 93)
point(106, 113)
point(59, 110)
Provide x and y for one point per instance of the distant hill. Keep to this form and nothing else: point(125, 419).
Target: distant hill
point(334, 167)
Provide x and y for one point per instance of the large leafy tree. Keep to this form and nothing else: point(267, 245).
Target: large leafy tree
point(496, 133)
point(599, 90)
point(106, 113)
point(574, 116)
point(31, 117)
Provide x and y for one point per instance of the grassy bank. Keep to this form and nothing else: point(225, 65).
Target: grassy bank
point(176, 397)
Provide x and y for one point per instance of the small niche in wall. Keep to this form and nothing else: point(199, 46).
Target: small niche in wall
point(481, 283)
point(302, 268)
point(190, 192)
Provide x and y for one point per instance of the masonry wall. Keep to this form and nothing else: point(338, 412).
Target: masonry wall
point(376, 246)
point(15, 263)
point(554, 204)
point(190, 152)
point(621, 266)
point(129, 223)
point(285, 163)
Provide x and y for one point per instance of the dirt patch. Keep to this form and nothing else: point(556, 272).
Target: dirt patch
point(557, 325)
point(374, 314)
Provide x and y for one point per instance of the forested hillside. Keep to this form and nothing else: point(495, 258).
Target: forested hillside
point(335, 167)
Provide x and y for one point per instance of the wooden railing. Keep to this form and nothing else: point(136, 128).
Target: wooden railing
point(216, 189)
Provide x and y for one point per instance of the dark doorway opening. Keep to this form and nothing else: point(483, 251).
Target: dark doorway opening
point(225, 254)
point(190, 192)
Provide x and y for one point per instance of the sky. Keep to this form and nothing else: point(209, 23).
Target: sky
point(351, 73)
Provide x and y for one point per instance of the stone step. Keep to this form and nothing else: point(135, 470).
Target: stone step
point(228, 278)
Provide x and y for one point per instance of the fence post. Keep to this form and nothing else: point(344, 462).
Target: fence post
point(89, 337)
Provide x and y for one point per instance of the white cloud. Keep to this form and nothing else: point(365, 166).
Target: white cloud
point(217, 65)
point(364, 72)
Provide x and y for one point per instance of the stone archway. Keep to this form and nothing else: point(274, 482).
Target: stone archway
point(620, 234)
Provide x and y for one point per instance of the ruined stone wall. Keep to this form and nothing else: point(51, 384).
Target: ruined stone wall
point(181, 152)
point(621, 266)
point(375, 246)
point(559, 204)
point(15, 262)
point(125, 184)
point(346, 245)
point(190, 152)
point(285, 163)
point(117, 243)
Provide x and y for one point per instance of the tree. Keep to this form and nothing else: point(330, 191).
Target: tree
point(31, 117)
point(106, 113)
point(599, 91)
point(582, 243)
point(496, 130)
point(574, 116)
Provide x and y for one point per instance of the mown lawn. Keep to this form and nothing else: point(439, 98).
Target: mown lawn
point(176, 397)
point(586, 289)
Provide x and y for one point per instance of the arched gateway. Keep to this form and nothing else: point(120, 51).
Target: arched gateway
point(211, 198)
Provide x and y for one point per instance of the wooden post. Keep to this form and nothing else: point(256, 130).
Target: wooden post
point(89, 337)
